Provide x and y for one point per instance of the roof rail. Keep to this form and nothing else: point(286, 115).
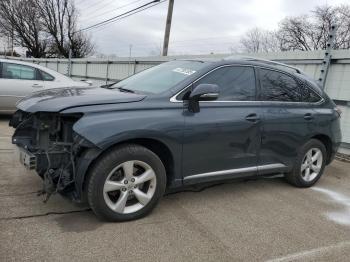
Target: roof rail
point(249, 58)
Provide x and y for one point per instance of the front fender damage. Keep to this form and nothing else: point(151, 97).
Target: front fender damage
point(62, 156)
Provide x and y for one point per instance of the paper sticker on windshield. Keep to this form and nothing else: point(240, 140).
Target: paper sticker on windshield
point(184, 71)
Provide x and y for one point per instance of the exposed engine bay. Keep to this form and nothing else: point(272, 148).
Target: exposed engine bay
point(48, 144)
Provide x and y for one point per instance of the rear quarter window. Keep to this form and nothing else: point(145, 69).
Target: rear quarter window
point(277, 86)
point(46, 76)
point(309, 95)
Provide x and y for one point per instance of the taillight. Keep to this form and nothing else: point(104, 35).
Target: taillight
point(338, 110)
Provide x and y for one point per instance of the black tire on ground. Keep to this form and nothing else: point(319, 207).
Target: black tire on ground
point(295, 176)
point(106, 163)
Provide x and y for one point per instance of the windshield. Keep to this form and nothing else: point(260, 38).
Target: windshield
point(160, 78)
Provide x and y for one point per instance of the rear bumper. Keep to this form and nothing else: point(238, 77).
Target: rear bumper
point(332, 156)
point(335, 146)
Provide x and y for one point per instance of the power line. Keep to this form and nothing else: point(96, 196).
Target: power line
point(124, 15)
point(118, 16)
point(97, 4)
point(99, 28)
point(88, 17)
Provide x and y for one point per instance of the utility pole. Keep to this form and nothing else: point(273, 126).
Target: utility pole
point(167, 27)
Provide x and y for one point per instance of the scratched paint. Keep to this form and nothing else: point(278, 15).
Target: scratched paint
point(341, 216)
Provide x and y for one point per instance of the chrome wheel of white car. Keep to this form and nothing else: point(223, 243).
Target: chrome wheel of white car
point(129, 187)
point(312, 164)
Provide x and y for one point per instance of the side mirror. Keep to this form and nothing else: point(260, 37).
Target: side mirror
point(202, 92)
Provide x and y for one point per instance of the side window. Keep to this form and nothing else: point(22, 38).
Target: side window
point(277, 86)
point(308, 95)
point(46, 77)
point(236, 83)
point(15, 71)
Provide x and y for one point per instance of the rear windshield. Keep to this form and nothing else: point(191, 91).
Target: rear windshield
point(160, 78)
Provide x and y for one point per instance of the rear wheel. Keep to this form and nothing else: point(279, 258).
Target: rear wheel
point(309, 165)
point(126, 183)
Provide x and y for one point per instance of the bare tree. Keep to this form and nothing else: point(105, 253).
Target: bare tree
point(338, 16)
point(259, 40)
point(20, 20)
point(311, 32)
point(294, 33)
point(252, 40)
point(44, 27)
point(305, 32)
point(81, 45)
point(60, 21)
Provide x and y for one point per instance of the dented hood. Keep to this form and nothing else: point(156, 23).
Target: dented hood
point(55, 100)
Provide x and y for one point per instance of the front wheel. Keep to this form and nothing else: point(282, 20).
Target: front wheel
point(309, 165)
point(126, 183)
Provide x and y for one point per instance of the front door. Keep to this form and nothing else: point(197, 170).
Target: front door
point(223, 139)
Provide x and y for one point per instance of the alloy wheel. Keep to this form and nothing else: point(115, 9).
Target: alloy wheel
point(312, 164)
point(129, 187)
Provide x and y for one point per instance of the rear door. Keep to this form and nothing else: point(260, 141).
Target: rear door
point(222, 140)
point(287, 120)
point(16, 82)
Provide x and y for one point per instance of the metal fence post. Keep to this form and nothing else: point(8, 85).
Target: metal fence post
point(71, 64)
point(135, 63)
point(86, 69)
point(69, 69)
point(107, 72)
point(328, 57)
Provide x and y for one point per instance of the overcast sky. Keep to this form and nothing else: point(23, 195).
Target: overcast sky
point(199, 26)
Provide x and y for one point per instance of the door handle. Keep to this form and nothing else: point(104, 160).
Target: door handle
point(36, 85)
point(308, 116)
point(252, 118)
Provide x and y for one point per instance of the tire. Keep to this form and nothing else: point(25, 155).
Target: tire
point(126, 183)
point(307, 172)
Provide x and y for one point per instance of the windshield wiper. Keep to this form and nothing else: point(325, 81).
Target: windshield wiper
point(121, 89)
point(108, 86)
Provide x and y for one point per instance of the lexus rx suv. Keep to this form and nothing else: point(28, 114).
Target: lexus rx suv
point(119, 148)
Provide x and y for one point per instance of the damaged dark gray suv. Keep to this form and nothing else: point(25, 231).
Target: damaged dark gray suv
point(119, 148)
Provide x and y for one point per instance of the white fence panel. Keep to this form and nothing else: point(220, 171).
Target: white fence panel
point(338, 82)
point(52, 65)
point(63, 67)
point(79, 69)
point(119, 71)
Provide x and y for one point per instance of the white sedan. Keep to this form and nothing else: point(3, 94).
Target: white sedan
point(19, 79)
